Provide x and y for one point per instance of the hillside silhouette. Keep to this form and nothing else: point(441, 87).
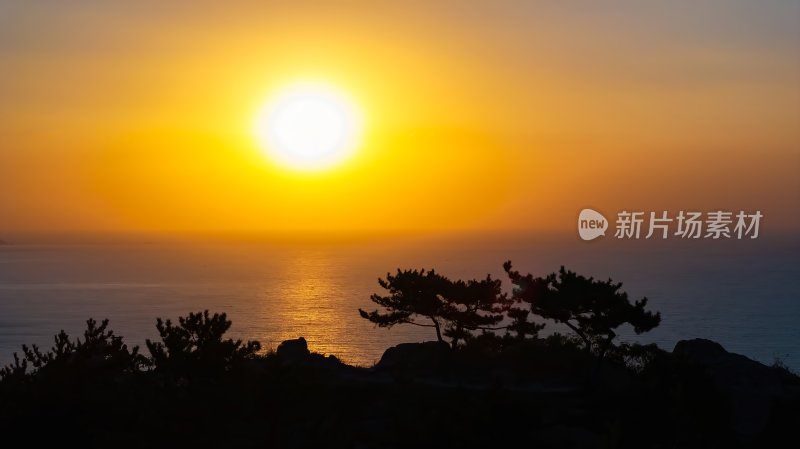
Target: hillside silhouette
point(488, 380)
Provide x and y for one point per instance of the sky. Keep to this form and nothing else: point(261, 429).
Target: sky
point(489, 116)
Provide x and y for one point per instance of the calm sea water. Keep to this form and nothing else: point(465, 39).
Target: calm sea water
point(743, 294)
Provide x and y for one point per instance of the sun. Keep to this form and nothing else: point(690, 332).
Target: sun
point(308, 126)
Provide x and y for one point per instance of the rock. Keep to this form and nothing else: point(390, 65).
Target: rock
point(699, 349)
point(730, 371)
point(426, 356)
point(752, 387)
point(293, 350)
point(294, 355)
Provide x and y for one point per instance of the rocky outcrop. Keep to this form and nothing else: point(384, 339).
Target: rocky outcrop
point(417, 357)
point(753, 389)
point(714, 392)
point(293, 350)
point(295, 357)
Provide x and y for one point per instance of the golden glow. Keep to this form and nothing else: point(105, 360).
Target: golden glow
point(515, 118)
point(308, 127)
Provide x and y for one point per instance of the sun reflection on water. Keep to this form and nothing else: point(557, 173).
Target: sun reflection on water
point(307, 300)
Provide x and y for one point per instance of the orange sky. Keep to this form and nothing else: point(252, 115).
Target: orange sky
point(138, 118)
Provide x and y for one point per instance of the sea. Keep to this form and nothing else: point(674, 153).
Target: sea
point(744, 294)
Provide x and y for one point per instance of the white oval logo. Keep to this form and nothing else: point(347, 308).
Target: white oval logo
point(591, 224)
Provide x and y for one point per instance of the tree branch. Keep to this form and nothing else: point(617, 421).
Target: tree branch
point(418, 324)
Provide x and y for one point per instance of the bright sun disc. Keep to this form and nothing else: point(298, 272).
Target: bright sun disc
point(308, 127)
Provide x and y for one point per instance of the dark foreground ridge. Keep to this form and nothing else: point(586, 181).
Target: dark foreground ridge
point(198, 389)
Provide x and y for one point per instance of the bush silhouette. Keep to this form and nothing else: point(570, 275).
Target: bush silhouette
point(195, 346)
point(100, 354)
point(590, 308)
